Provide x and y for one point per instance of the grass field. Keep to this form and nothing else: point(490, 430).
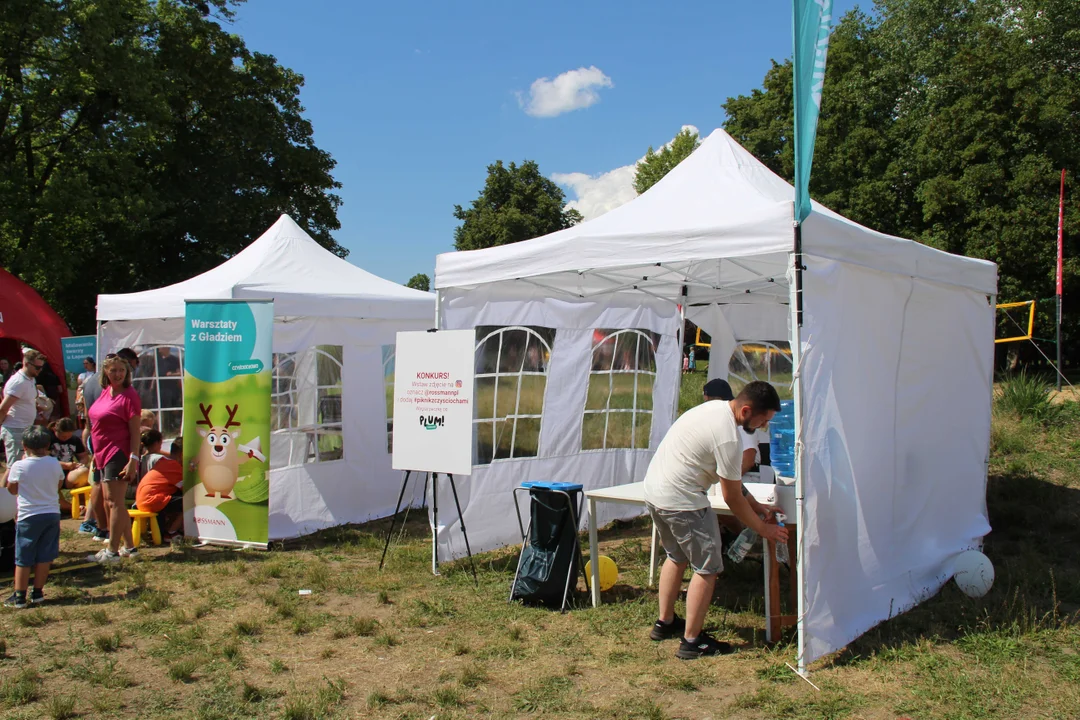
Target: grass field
point(212, 633)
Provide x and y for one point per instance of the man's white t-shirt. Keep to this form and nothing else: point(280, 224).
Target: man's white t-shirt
point(39, 481)
point(701, 447)
point(22, 414)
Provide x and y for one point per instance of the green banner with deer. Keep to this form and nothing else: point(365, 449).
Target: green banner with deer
point(227, 351)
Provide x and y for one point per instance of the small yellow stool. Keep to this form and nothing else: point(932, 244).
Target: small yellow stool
point(139, 519)
point(79, 498)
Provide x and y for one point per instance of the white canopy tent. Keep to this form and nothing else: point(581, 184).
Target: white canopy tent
point(334, 332)
point(892, 388)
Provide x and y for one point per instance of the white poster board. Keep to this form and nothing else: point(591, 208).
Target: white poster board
point(433, 401)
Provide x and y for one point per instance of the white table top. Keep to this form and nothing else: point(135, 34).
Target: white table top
point(764, 493)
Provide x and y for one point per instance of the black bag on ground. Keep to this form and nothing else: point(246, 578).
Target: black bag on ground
point(551, 553)
point(7, 547)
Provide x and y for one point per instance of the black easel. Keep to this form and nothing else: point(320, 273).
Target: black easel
point(434, 476)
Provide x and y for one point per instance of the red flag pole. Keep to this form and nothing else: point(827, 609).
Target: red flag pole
point(1060, 254)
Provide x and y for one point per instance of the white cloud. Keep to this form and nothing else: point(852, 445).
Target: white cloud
point(597, 194)
point(573, 90)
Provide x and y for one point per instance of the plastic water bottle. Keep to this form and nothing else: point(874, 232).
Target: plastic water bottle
point(782, 555)
point(742, 545)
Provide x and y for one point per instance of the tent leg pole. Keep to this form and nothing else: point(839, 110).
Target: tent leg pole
point(795, 303)
point(682, 343)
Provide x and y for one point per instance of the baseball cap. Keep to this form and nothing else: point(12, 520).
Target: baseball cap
point(717, 389)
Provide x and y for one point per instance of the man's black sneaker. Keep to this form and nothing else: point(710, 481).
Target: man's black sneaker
point(704, 645)
point(36, 596)
point(17, 600)
point(673, 629)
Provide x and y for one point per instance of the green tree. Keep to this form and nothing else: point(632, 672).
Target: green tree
point(142, 143)
point(517, 203)
point(947, 122)
point(419, 281)
point(656, 165)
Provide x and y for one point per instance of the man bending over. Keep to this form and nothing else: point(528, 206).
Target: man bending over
point(702, 448)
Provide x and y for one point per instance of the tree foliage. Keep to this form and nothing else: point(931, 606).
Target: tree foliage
point(656, 165)
point(142, 143)
point(947, 122)
point(419, 281)
point(517, 203)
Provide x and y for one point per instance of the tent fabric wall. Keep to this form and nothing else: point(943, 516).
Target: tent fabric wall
point(486, 496)
point(729, 324)
point(896, 410)
point(319, 299)
point(312, 496)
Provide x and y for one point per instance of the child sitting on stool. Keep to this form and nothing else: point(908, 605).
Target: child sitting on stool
point(161, 488)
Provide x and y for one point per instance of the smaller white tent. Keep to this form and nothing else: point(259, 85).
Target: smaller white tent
point(334, 331)
point(892, 343)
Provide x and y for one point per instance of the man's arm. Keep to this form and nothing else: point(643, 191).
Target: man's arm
point(749, 459)
point(740, 506)
point(6, 404)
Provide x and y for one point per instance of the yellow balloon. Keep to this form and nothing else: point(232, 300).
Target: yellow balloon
point(609, 572)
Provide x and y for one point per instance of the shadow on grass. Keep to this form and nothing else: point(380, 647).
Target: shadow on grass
point(1035, 530)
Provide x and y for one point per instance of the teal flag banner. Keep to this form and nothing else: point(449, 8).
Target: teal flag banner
point(812, 20)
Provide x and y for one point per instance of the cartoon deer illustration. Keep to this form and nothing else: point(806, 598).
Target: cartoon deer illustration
point(219, 457)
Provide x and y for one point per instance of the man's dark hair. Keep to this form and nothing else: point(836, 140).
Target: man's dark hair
point(717, 389)
point(760, 396)
point(37, 438)
point(130, 355)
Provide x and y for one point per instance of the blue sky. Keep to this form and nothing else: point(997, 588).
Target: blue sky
point(415, 99)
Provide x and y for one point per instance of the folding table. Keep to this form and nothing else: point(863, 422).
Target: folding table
point(780, 496)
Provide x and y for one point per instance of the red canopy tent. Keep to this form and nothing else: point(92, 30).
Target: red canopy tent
point(26, 318)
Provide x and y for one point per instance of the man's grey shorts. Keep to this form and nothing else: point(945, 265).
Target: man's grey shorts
point(690, 536)
point(13, 447)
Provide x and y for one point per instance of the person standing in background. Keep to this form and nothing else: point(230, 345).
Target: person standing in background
point(96, 523)
point(80, 402)
point(19, 405)
point(115, 433)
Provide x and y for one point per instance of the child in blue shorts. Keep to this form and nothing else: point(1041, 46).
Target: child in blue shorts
point(37, 480)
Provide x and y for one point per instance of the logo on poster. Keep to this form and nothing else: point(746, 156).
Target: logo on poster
point(431, 422)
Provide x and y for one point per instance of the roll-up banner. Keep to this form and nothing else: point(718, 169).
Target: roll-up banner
point(227, 367)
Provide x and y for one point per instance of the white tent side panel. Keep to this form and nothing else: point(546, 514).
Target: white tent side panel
point(897, 378)
point(486, 498)
point(308, 497)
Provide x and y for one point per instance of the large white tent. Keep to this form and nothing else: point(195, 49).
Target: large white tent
point(891, 341)
point(334, 332)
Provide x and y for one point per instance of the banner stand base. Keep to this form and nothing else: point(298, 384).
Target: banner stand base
point(234, 544)
point(434, 476)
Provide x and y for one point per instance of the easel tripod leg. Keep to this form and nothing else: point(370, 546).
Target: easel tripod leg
point(464, 534)
point(397, 509)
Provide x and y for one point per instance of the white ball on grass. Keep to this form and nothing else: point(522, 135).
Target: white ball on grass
point(973, 573)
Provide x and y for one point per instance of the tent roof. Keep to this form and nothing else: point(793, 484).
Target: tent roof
point(302, 277)
point(721, 203)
